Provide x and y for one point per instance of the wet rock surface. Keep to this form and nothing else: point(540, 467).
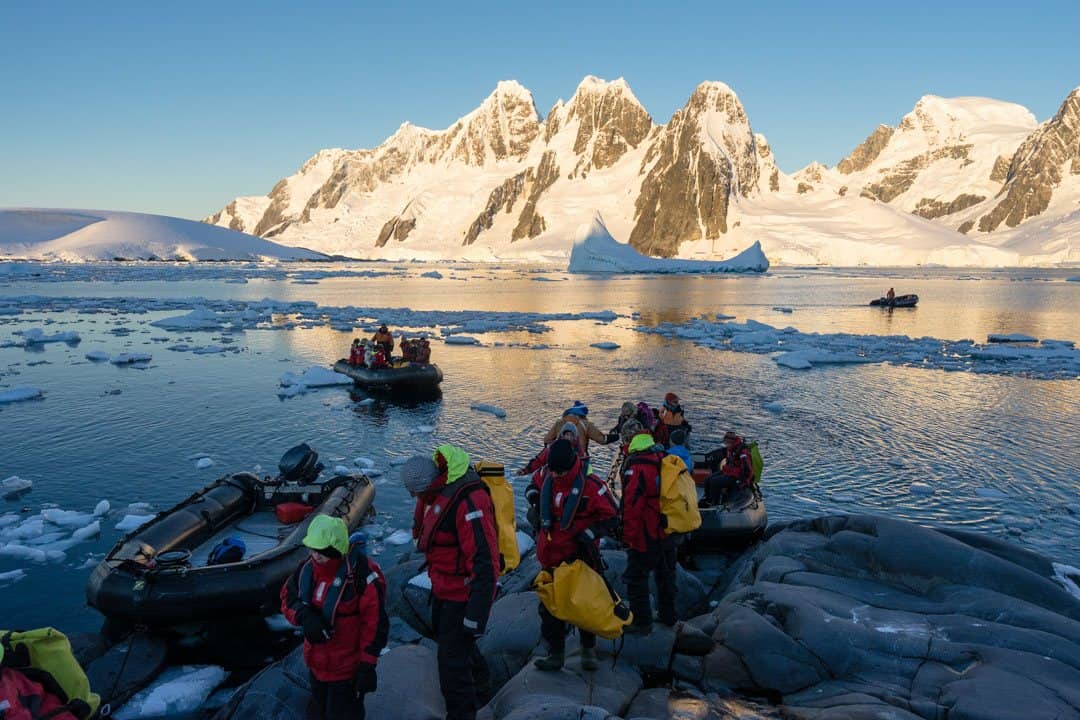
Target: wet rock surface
point(858, 616)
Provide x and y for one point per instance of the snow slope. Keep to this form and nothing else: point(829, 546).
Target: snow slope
point(595, 251)
point(84, 235)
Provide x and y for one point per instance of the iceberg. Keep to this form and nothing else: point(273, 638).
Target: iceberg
point(18, 394)
point(596, 251)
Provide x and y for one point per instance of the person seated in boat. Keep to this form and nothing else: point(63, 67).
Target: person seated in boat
point(736, 470)
point(569, 432)
point(423, 351)
point(678, 448)
point(356, 353)
point(408, 349)
point(629, 411)
point(380, 359)
point(578, 415)
point(671, 416)
point(385, 339)
point(890, 297)
point(337, 597)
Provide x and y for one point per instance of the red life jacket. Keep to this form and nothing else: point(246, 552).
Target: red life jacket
point(353, 603)
point(641, 516)
point(27, 699)
point(592, 504)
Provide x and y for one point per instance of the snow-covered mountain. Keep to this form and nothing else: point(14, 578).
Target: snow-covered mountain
point(505, 183)
point(82, 235)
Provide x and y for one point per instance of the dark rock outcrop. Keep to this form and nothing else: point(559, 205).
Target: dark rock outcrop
point(860, 617)
point(529, 183)
point(396, 227)
point(1038, 167)
point(900, 178)
point(930, 208)
point(867, 151)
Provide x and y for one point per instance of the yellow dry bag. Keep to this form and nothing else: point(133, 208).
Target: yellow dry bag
point(502, 497)
point(48, 650)
point(577, 594)
point(678, 496)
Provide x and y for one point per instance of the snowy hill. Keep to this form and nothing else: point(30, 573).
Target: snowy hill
point(83, 235)
point(504, 183)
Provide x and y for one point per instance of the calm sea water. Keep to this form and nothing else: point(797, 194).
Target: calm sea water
point(1001, 453)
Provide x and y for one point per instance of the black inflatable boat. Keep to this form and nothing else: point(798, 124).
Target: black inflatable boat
point(740, 518)
point(161, 575)
point(900, 301)
point(416, 377)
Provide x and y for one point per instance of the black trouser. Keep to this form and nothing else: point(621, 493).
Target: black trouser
point(463, 672)
point(335, 700)
point(659, 560)
point(554, 630)
point(717, 486)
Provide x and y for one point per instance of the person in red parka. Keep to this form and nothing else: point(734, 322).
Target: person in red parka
point(736, 470)
point(650, 549)
point(338, 597)
point(575, 510)
point(454, 526)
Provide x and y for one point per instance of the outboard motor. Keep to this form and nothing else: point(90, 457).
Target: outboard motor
point(300, 465)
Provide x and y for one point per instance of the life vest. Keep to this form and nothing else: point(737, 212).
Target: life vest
point(570, 507)
point(444, 506)
point(352, 578)
point(40, 676)
point(677, 494)
point(577, 594)
point(759, 462)
point(502, 497)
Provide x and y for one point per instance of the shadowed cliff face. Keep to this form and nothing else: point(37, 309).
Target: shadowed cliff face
point(698, 160)
point(861, 157)
point(1038, 167)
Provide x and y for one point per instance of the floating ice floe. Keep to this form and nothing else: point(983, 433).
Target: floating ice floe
point(435, 274)
point(314, 377)
point(203, 463)
point(920, 488)
point(774, 407)
point(102, 508)
point(785, 310)
point(798, 350)
point(12, 576)
point(398, 537)
point(422, 430)
point(19, 394)
point(130, 358)
point(97, 356)
point(364, 462)
point(14, 485)
point(176, 692)
point(201, 318)
point(1010, 338)
point(38, 336)
point(490, 409)
point(342, 470)
point(605, 345)
point(130, 523)
point(423, 580)
point(461, 340)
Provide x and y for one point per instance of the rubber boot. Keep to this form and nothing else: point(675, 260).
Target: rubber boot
point(588, 659)
point(551, 663)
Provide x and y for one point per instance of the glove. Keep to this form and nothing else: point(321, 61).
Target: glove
point(521, 472)
point(473, 628)
point(366, 679)
point(316, 631)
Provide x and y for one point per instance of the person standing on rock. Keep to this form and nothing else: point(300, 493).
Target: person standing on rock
point(454, 526)
point(577, 415)
point(575, 510)
point(650, 550)
point(338, 597)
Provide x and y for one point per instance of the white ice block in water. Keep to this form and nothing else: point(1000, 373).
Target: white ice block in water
point(461, 340)
point(605, 345)
point(490, 409)
point(774, 407)
point(364, 462)
point(18, 394)
point(423, 580)
point(87, 532)
point(133, 522)
point(66, 518)
point(97, 356)
point(177, 691)
point(399, 537)
point(920, 488)
point(22, 552)
point(12, 576)
point(203, 463)
point(130, 358)
point(102, 508)
point(422, 430)
point(342, 470)
point(14, 484)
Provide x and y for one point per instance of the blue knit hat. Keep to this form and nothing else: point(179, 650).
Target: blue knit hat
point(580, 409)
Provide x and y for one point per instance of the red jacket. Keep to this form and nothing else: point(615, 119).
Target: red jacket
point(540, 461)
point(556, 543)
point(739, 465)
point(356, 612)
point(642, 521)
point(462, 550)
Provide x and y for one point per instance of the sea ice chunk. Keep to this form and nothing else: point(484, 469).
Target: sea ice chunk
point(490, 409)
point(177, 691)
point(203, 463)
point(399, 537)
point(18, 394)
point(131, 523)
point(605, 345)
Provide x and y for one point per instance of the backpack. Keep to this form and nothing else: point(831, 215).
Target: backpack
point(759, 463)
point(41, 661)
point(678, 496)
point(677, 493)
point(502, 497)
point(577, 594)
point(229, 550)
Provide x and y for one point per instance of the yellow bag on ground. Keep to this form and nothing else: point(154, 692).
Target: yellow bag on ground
point(502, 497)
point(678, 496)
point(48, 649)
point(577, 594)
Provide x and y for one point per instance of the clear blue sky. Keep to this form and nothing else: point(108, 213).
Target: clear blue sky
point(177, 108)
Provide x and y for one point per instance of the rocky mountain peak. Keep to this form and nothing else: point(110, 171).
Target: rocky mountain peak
point(609, 122)
point(503, 127)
